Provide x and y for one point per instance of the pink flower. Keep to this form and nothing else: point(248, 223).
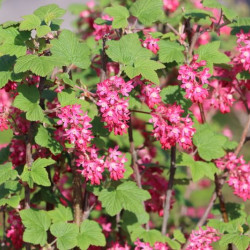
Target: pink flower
point(16, 230)
point(113, 107)
point(170, 128)
point(239, 174)
point(102, 30)
point(193, 79)
point(76, 125)
point(202, 239)
point(17, 152)
point(170, 5)
point(151, 44)
point(115, 164)
point(243, 46)
point(150, 94)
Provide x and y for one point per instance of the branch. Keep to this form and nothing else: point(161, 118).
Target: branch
point(169, 191)
point(104, 60)
point(243, 136)
point(134, 160)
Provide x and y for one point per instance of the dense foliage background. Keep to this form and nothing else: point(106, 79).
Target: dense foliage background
point(130, 131)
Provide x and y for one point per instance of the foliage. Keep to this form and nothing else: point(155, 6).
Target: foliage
point(114, 141)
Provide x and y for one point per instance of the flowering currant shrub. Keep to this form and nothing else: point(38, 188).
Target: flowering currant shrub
point(120, 134)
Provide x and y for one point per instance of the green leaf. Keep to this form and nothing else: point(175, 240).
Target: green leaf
point(69, 50)
point(128, 170)
point(13, 201)
point(147, 11)
point(38, 172)
point(66, 235)
point(36, 225)
point(42, 30)
point(199, 169)
point(13, 41)
point(145, 68)
point(175, 94)
point(208, 143)
point(49, 12)
point(136, 59)
point(199, 16)
point(230, 14)
point(6, 64)
point(120, 15)
point(230, 145)
point(134, 102)
point(4, 154)
point(7, 173)
point(178, 235)
point(242, 23)
point(240, 241)
point(30, 22)
point(173, 244)
point(90, 234)
point(44, 139)
point(210, 53)
point(98, 127)
point(26, 176)
point(125, 196)
point(28, 100)
point(67, 97)
point(170, 52)
point(41, 66)
point(61, 214)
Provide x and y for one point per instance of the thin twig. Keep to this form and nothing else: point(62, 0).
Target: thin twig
point(169, 191)
point(243, 136)
point(134, 160)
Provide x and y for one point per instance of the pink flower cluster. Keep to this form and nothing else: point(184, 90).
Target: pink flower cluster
point(76, 125)
point(170, 5)
point(170, 128)
point(103, 30)
point(239, 174)
point(151, 44)
point(139, 245)
point(17, 152)
point(150, 94)
point(115, 163)
point(5, 102)
point(202, 239)
point(243, 46)
point(113, 107)
point(193, 78)
point(222, 91)
point(15, 232)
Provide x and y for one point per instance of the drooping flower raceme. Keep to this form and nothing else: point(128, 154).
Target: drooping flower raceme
point(113, 107)
point(115, 163)
point(170, 128)
point(76, 125)
point(202, 239)
point(193, 78)
point(239, 174)
point(150, 94)
point(243, 47)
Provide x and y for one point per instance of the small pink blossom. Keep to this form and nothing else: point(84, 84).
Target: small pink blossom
point(151, 44)
point(170, 5)
point(193, 78)
point(202, 239)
